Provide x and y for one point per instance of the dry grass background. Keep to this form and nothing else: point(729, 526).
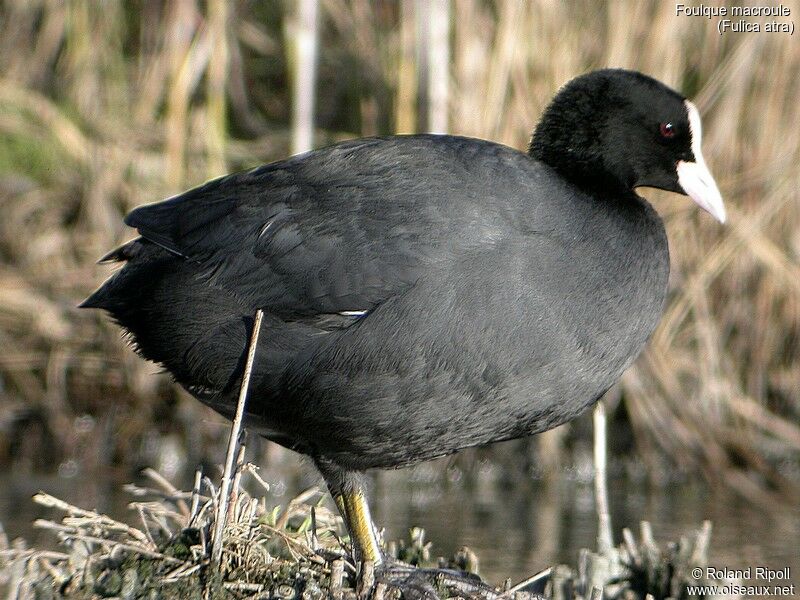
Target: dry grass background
point(107, 105)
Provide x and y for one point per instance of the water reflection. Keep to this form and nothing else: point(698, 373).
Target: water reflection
point(516, 530)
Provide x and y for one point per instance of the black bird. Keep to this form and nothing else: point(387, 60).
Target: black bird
point(424, 293)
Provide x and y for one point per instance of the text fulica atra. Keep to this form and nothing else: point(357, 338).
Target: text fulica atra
point(422, 293)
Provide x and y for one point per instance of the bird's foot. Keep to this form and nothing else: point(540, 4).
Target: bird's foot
point(393, 580)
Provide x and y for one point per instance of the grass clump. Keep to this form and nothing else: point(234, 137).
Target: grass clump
point(283, 551)
point(294, 552)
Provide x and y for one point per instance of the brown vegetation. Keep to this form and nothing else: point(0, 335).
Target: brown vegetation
point(295, 552)
point(105, 109)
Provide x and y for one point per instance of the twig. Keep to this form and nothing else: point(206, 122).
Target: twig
point(631, 546)
point(306, 36)
point(237, 472)
point(306, 551)
point(337, 579)
point(75, 533)
point(301, 498)
point(143, 519)
point(253, 470)
point(13, 554)
point(243, 586)
point(233, 440)
point(50, 501)
point(700, 553)
point(314, 539)
point(544, 574)
point(438, 61)
point(182, 571)
point(139, 491)
point(159, 479)
point(605, 541)
point(198, 477)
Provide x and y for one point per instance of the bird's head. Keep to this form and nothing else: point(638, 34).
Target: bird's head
point(617, 129)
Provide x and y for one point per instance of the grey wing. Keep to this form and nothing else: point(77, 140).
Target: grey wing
point(429, 368)
point(276, 244)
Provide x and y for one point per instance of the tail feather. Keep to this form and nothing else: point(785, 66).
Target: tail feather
point(100, 298)
point(173, 318)
point(97, 299)
point(127, 251)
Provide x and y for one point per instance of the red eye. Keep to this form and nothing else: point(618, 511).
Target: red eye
point(667, 130)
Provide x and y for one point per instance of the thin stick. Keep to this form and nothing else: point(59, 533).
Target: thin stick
point(75, 533)
point(546, 573)
point(45, 499)
point(405, 104)
point(604, 538)
point(162, 481)
point(306, 42)
point(198, 478)
point(233, 440)
point(237, 473)
point(216, 80)
point(437, 85)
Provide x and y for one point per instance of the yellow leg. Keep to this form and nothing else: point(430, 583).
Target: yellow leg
point(339, 499)
point(355, 510)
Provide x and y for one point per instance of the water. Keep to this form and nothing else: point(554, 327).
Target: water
point(515, 529)
point(520, 530)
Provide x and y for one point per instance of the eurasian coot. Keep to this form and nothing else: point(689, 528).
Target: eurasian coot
point(422, 293)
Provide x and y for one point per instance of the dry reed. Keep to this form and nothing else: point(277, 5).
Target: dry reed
point(292, 552)
point(101, 110)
